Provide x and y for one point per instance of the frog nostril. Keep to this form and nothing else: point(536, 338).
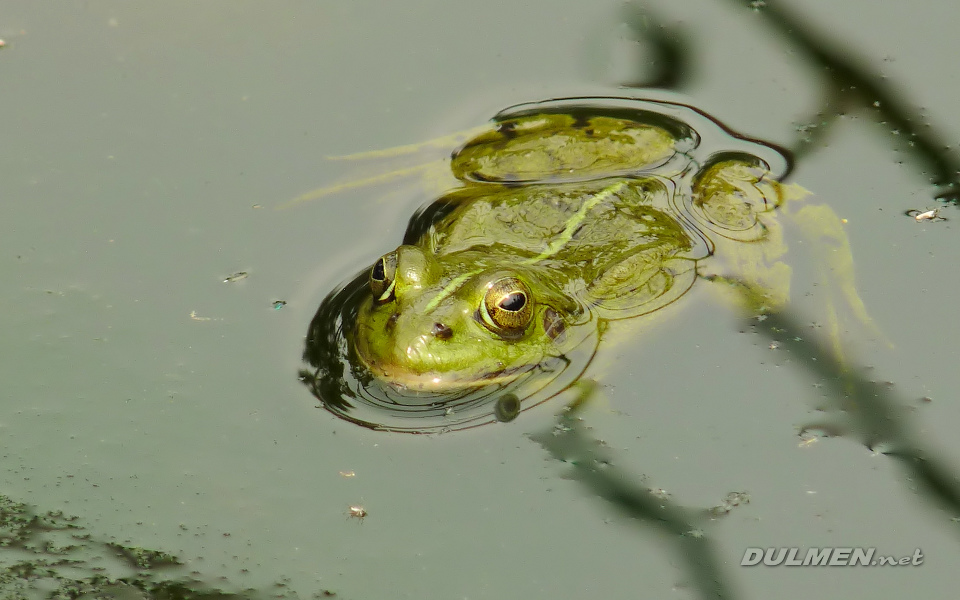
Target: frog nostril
point(392, 321)
point(441, 331)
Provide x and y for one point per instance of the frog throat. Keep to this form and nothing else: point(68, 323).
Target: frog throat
point(555, 246)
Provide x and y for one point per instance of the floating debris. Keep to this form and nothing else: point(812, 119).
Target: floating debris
point(659, 493)
point(357, 512)
point(278, 304)
point(239, 275)
point(730, 501)
point(929, 215)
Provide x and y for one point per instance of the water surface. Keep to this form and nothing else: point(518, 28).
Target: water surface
point(144, 149)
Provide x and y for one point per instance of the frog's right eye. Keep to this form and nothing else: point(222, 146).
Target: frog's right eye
point(507, 307)
point(383, 278)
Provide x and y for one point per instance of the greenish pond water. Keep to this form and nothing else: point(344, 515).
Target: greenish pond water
point(143, 150)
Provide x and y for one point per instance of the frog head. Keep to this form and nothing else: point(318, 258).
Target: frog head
point(455, 321)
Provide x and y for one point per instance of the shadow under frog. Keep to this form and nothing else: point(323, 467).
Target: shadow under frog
point(570, 214)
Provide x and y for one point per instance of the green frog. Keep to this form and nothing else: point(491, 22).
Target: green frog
point(570, 216)
point(563, 218)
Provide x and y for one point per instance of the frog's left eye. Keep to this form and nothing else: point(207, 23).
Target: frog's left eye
point(383, 278)
point(507, 307)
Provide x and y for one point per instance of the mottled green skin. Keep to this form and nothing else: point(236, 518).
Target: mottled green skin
point(556, 147)
point(589, 243)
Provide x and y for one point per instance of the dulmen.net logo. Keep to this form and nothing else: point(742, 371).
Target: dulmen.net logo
point(826, 557)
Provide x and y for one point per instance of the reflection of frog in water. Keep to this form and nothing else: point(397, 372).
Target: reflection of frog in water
point(572, 213)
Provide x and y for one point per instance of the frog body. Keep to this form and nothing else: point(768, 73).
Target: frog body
point(565, 220)
point(565, 216)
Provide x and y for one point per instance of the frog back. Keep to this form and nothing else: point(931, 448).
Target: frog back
point(617, 244)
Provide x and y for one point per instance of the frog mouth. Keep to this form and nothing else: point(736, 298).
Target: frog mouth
point(441, 381)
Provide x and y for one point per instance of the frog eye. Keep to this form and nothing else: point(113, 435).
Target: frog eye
point(383, 278)
point(507, 307)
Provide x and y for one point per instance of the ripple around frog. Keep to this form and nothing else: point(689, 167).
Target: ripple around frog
point(338, 378)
